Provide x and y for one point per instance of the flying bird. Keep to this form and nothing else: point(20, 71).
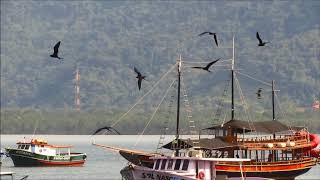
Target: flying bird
point(208, 65)
point(139, 77)
point(111, 129)
point(24, 178)
point(56, 51)
point(261, 43)
point(259, 93)
point(212, 34)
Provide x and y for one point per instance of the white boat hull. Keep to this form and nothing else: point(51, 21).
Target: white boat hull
point(133, 172)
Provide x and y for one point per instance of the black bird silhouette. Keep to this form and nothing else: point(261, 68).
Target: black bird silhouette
point(259, 93)
point(261, 43)
point(24, 178)
point(111, 129)
point(139, 77)
point(212, 34)
point(208, 65)
point(56, 51)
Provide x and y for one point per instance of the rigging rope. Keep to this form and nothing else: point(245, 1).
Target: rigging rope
point(139, 138)
point(263, 82)
point(246, 107)
point(155, 85)
point(281, 111)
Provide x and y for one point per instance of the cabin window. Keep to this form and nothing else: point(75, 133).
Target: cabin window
point(170, 163)
point(27, 147)
point(157, 164)
point(185, 164)
point(163, 165)
point(22, 146)
point(177, 165)
point(19, 146)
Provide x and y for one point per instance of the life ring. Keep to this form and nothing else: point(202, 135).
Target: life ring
point(201, 175)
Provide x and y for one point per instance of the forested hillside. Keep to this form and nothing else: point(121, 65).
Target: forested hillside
point(106, 39)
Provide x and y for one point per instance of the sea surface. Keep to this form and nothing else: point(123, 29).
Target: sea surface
point(100, 164)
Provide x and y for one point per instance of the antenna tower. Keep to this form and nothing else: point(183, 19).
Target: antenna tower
point(77, 90)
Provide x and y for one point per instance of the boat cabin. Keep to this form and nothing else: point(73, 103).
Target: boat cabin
point(192, 167)
point(40, 146)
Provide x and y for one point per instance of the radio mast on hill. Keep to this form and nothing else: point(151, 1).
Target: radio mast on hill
point(77, 90)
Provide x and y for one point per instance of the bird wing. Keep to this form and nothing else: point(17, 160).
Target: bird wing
point(204, 33)
point(258, 37)
point(197, 67)
point(215, 39)
point(56, 48)
point(210, 64)
point(100, 129)
point(136, 70)
point(139, 83)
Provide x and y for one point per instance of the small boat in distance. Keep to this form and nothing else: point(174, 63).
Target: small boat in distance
point(38, 152)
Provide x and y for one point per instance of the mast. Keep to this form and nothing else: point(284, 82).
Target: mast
point(232, 79)
point(273, 112)
point(178, 105)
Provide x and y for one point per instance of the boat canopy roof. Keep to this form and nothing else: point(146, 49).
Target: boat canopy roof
point(204, 143)
point(263, 126)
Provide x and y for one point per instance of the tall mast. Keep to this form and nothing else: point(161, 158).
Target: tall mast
point(273, 113)
point(178, 105)
point(232, 79)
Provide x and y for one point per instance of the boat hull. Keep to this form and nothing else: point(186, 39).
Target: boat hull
point(283, 171)
point(133, 172)
point(22, 158)
point(278, 175)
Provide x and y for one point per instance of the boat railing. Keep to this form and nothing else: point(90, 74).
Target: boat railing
point(305, 161)
point(267, 139)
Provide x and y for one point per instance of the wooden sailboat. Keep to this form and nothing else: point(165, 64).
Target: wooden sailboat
point(283, 153)
point(183, 163)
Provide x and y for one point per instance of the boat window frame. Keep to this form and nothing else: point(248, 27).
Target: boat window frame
point(163, 164)
point(177, 164)
point(157, 164)
point(27, 147)
point(22, 146)
point(185, 165)
point(19, 146)
point(170, 164)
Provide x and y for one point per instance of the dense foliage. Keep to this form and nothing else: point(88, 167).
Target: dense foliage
point(106, 39)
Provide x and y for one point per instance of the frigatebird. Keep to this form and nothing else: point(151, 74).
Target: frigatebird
point(109, 128)
point(139, 77)
point(259, 93)
point(261, 43)
point(56, 51)
point(208, 65)
point(212, 34)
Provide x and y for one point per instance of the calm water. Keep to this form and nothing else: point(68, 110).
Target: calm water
point(100, 164)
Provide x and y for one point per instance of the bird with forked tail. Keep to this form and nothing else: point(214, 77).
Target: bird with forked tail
point(261, 43)
point(56, 51)
point(206, 68)
point(212, 34)
point(139, 77)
